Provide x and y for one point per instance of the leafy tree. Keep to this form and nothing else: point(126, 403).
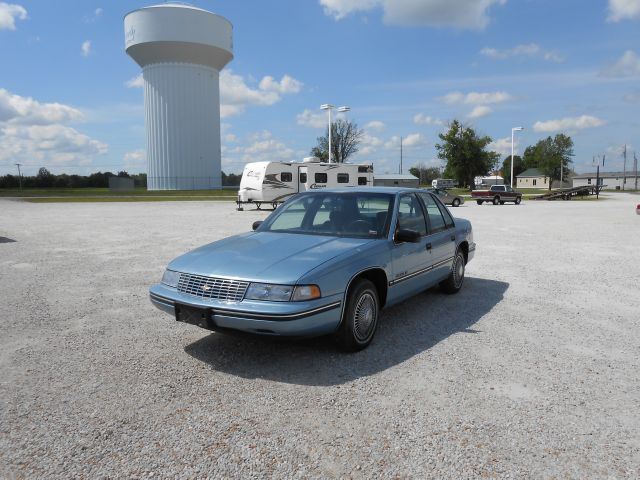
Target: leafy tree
point(425, 174)
point(123, 173)
point(45, 178)
point(345, 140)
point(465, 153)
point(551, 156)
point(518, 167)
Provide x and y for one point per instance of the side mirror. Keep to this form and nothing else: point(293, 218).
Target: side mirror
point(256, 224)
point(407, 236)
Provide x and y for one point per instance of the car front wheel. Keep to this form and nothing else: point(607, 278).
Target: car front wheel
point(496, 200)
point(518, 200)
point(455, 203)
point(479, 202)
point(454, 281)
point(360, 319)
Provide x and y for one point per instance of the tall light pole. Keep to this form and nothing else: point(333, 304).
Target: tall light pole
point(328, 107)
point(513, 130)
point(19, 175)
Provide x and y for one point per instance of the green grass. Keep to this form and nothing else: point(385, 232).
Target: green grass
point(104, 192)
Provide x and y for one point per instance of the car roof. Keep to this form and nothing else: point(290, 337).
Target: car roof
point(388, 190)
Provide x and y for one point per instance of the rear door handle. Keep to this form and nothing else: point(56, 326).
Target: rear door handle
point(428, 246)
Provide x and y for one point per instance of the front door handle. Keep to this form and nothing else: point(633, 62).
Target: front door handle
point(428, 246)
point(453, 238)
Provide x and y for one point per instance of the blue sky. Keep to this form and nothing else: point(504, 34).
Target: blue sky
point(69, 99)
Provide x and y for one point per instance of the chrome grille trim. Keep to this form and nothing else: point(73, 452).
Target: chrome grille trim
point(212, 288)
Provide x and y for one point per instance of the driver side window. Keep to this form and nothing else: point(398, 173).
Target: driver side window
point(410, 215)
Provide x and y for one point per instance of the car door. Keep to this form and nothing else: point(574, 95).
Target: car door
point(441, 236)
point(411, 262)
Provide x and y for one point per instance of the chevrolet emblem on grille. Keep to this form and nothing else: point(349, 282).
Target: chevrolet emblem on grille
point(206, 287)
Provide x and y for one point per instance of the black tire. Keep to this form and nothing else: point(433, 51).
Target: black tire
point(454, 281)
point(496, 200)
point(360, 317)
point(258, 205)
point(479, 202)
point(501, 202)
point(518, 200)
point(274, 205)
point(455, 203)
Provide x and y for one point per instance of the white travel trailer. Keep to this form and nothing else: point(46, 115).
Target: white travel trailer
point(273, 182)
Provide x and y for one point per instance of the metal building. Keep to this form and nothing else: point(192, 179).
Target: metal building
point(181, 50)
point(396, 180)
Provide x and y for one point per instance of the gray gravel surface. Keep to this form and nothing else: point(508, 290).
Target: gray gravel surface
point(532, 370)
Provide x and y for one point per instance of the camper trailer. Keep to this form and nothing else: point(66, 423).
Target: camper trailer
point(272, 183)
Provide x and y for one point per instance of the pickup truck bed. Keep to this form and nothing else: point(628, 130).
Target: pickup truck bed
point(498, 195)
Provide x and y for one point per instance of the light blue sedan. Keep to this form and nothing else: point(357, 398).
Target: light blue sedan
point(325, 262)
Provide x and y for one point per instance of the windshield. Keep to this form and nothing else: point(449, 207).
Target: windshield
point(357, 214)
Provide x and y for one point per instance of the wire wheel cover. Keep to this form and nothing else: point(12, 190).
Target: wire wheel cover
point(364, 316)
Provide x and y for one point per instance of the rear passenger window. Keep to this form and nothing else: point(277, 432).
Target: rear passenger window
point(321, 178)
point(343, 178)
point(286, 176)
point(436, 220)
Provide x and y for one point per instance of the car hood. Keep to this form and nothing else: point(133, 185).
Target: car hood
point(265, 256)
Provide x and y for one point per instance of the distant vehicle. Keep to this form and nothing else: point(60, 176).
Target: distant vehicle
point(444, 183)
point(446, 197)
point(274, 182)
point(498, 195)
point(638, 209)
point(480, 182)
point(325, 262)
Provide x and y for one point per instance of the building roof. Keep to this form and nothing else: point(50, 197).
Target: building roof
point(606, 175)
point(531, 172)
point(394, 176)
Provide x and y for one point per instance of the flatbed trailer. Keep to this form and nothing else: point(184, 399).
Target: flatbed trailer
point(569, 193)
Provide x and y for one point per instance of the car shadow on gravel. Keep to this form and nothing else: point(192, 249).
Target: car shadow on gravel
point(405, 330)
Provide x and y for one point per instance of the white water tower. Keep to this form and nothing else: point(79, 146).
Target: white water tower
point(181, 50)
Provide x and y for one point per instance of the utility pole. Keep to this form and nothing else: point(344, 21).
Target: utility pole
point(624, 168)
point(19, 175)
point(635, 169)
point(400, 156)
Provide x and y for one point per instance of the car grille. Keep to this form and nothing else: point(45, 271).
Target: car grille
point(209, 287)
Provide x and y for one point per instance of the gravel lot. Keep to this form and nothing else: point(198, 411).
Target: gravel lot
point(532, 370)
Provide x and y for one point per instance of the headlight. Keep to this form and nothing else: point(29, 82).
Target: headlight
point(171, 278)
point(305, 292)
point(266, 291)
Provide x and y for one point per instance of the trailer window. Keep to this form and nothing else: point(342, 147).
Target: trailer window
point(364, 169)
point(343, 178)
point(321, 178)
point(286, 176)
point(362, 180)
point(303, 177)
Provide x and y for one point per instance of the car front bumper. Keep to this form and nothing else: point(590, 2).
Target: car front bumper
point(295, 319)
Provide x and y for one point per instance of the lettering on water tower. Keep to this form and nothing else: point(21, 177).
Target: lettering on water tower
point(130, 36)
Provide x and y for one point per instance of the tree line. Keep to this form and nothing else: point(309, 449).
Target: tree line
point(46, 179)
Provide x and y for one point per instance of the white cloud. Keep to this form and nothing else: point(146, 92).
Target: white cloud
point(569, 123)
point(437, 13)
point(236, 95)
point(623, 9)
point(633, 97)
point(85, 48)
point(375, 125)
point(312, 119)
point(9, 13)
point(477, 98)
point(532, 50)
point(422, 119)
point(480, 111)
point(410, 141)
point(135, 82)
point(626, 66)
point(31, 132)
point(135, 161)
point(259, 146)
point(98, 12)
point(25, 110)
point(286, 85)
point(503, 146)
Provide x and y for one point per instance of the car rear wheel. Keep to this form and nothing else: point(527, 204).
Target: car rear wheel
point(501, 202)
point(456, 202)
point(496, 200)
point(360, 318)
point(454, 281)
point(518, 200)
point(479, 202)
